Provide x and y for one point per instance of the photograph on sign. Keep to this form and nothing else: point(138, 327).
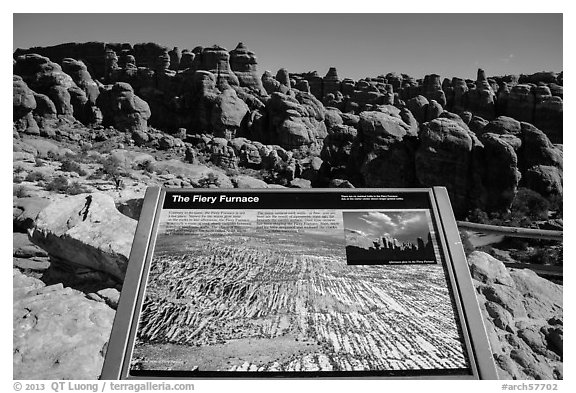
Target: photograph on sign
point(390, 237)
point(297, 291)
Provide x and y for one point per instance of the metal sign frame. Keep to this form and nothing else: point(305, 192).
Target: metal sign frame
point(118, 356)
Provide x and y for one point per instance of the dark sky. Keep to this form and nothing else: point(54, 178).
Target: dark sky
point(359, 45)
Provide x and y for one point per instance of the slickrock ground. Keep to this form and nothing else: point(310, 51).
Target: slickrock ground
point(523, 315)
point(59, 333)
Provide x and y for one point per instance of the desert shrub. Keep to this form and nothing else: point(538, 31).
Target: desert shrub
point(113, 166)
point(231, 172)
point(529, 203)
point(547, 256)
point(58, 184)
point(209, 181)
point(21, 192)
point(38, 162)
point(37, 176)
point(17, 179)
point(76, 188)
point(69, 165)
point(528, 206)
point(18, 168)
point(556, 204)
point(479, 216)
point(147, 166)
point(52, 156)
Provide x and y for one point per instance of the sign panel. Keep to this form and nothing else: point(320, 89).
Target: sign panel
point(322, 283)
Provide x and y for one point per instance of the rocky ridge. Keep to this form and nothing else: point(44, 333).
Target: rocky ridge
point(181, 100)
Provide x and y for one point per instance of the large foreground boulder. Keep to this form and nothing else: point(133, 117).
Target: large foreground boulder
point(58, 333)
point(86, 230)
point(523, 319)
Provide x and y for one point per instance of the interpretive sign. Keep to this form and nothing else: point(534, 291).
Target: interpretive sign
point(319, 283)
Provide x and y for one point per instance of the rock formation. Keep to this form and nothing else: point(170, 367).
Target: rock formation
point(123, 109)
point(295, 121)
point(24, 104)
point(243, 63)
point(521, 317)
point(444, 157)
point(383, 157)
point(208, 90)
point(86, 230)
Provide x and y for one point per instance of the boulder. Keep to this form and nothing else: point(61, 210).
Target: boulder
point(521, 103)
point(503, 125)
point(500, 171)
point(25, 212)
point(340, 183)
point(487, 269)
point(419, 108)
point(57, 332)
point(244, 181)
point(23, 98)
point(460, 91)
point(482, 99)
point(537, 149)
point(45, 108)
point(23, 248)
point(216, 60)
point(546, 180)
point(523, 318)
point(39, 148)
point(432, 89)
point(228, 113)
point(542, 298)
point(300, 183)
point(338, 144)
point(86, 230)
point(434, 110)
point(383, 157)
point(243, 63)
point(295, 121)
point(548, 116)
point(82, 78)
point(378, 127)
point(45, 77)
point(477, 125)
point(24, 103)
point(365, 95)
point(331, 82)
point(111, 296)
point(444, 158)
point(333, 118)
point(125, 160)
point(123, 109)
